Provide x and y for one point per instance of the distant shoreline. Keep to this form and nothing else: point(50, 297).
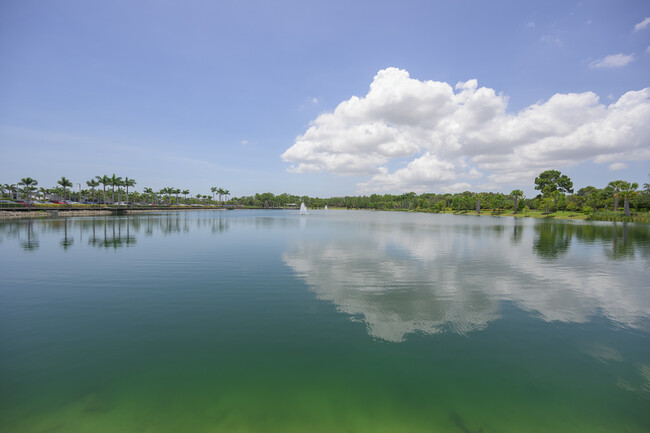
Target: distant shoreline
point(50, 212)
point(54, 212)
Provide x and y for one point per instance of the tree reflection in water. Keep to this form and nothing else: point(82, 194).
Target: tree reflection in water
point(624, 240)
point(106, 231)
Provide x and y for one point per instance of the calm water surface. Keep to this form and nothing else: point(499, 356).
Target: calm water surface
point(268, 321)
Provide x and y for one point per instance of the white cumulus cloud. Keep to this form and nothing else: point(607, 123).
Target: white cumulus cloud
point(613, 61)
point(452, 135)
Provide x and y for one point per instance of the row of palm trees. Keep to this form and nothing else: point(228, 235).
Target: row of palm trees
point(28, 186)
point(219, 191)
point(112, 181)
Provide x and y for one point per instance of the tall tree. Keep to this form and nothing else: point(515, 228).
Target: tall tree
point(104, 180)
point(65, 183)
point(114, 181)
point(11, 189)
point(213, 189)
point(127, 183)
point(617, 186)
point(92, 183)
point(628, 190)
point(185, 192)
point(478, 203)
point(554, 180)
point(517, 194)
point(28, 187)
point(151, 193)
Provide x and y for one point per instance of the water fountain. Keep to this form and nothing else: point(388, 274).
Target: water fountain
point(303, 209)
point(326, 207)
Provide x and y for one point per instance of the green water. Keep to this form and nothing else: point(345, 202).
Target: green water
point(268, 321)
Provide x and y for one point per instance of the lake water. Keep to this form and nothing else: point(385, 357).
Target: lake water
point(337, 321)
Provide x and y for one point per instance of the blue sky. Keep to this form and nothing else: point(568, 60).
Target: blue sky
point(276, 96)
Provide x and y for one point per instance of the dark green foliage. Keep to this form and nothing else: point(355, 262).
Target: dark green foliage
point(554, 180)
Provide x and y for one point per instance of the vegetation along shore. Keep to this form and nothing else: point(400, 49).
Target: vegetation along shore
point(619, 200)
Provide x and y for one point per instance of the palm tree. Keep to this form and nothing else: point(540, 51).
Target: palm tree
point(220, 191)
point(185, 192)
point(127, 183)
point(627, 191)
point(92, 183)
point(213, 189)
point(151, 193)
point(104, 180)
point(120, 184)
point(13, 190)
point(617, 186)
point(29, 186)
point(42, 191)
point(517, 193)
point(226, 193)
point(65, 183)
point(114, 181)
point(177, 191)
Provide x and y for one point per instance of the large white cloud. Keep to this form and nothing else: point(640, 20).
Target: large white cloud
point(453, 134)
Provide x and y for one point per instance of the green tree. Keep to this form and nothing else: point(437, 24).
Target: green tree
point(92, 183)
point(151, 193)
point(617, 186)
point(128, 183)
point(11, 189)
point(185, 192)
point(104, 180)
point(554, 180)
point(28, 187)
point(65, 183)
point(114, 181)
point(517, 194)
point(549, 198)
point(627, 191)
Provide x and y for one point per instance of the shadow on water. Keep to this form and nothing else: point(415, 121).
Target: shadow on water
point(459, 422)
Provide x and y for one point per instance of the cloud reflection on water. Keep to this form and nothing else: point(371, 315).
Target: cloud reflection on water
point(401, 278)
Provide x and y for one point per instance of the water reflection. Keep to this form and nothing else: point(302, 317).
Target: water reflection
point(112, 233)
point(399, 279)
point(620, 240)
point(104, 231)
point(552, 240)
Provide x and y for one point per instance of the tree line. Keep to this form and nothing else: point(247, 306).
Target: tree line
point(27, 190)
point(555, 194)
